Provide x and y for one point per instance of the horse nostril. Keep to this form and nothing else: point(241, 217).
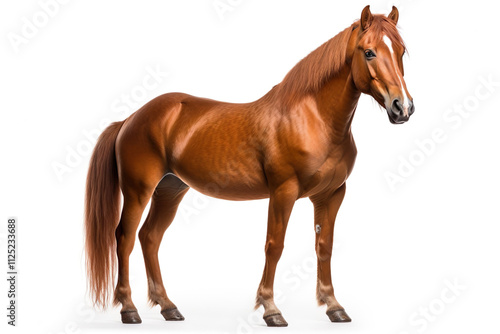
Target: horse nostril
point(412, 108)
point(397, 107)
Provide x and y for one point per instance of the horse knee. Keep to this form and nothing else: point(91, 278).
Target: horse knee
point(274, 249)
point(324, 250)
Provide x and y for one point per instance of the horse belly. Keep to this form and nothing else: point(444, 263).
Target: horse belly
point(222, 173)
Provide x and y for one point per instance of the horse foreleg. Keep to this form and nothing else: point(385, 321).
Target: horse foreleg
point(281, 203)
point(325, 212)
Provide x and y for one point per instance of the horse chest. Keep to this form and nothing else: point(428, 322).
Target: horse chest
point(333, 172)
point(336, 171)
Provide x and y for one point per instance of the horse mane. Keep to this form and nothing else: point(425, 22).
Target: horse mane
point(313, 71)
point(309, 75)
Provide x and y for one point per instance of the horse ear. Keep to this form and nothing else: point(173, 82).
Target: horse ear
point(394, 15)
point(366, 18)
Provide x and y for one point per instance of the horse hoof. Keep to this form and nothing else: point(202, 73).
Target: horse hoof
point(130, 317)
point(172, 314)
point(275, 320)
point(338, 316)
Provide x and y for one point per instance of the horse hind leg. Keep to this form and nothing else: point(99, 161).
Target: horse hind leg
point(133, 207)
point(137, 185)
point(165, 201)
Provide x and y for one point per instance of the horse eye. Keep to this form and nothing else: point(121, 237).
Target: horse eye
point(369, 54)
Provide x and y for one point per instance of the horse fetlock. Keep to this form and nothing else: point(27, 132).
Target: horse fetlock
point(325, 295)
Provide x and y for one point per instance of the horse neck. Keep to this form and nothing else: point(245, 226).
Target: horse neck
point(336, 101)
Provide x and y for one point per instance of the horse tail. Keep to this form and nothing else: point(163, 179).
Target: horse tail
point(102, 213)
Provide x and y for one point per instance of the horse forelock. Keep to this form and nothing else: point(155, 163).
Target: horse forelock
point(380, 27)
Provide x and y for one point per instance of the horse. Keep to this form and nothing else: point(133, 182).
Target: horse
point(292, 143)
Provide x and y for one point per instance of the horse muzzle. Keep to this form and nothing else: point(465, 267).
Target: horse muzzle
point(399, 113)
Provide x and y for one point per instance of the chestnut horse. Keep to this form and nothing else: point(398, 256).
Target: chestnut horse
point(292, 143)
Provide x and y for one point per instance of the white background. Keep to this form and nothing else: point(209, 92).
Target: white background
point(396, 249)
